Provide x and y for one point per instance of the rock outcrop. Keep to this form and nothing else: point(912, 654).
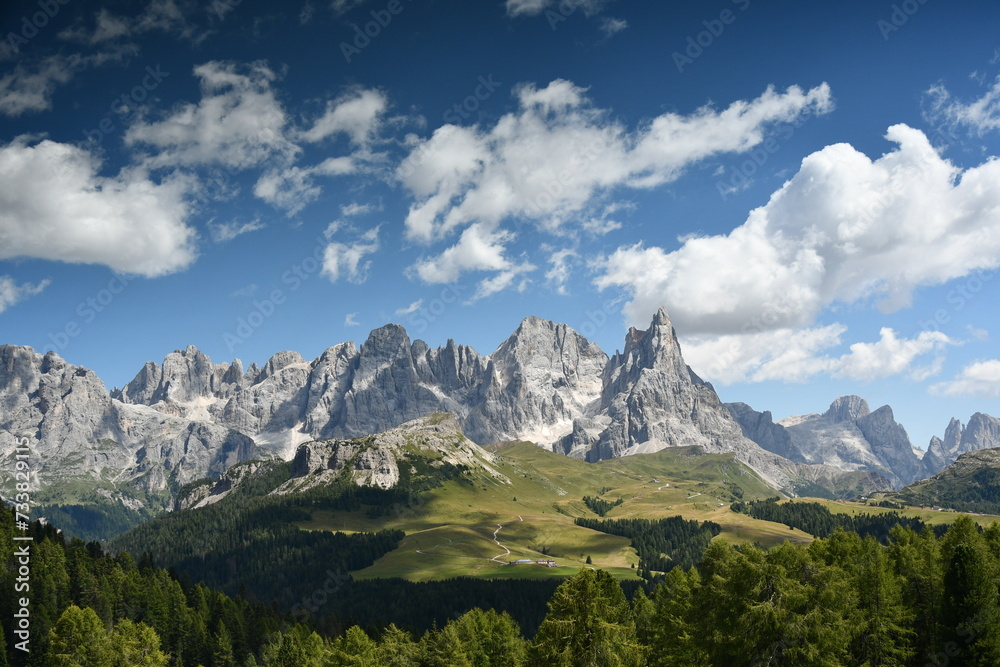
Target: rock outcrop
point(760, 427)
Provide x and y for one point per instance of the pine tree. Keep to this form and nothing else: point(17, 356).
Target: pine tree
point(589, 624)
point(971, 613)
point(885, 636)
point(223, 656)
point(355, 648)
point(79, 640)
point(136, 645)
point(490, 639)
point(397, 649)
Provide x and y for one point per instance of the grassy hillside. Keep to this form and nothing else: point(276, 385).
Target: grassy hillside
point(925, 514)
point(472, 526)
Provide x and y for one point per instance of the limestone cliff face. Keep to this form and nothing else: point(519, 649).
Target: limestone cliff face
point(76, 430)
point(533, 386)
point(435, 440)
point(760, 427)
point(536, 383)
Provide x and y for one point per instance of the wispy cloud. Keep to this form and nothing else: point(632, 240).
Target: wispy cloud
point(227, 231)
point(12, 293)
point(412, 308)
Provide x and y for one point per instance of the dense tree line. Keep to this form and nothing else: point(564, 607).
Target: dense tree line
point(599, 506)
point(88, 608)
point(818, 521)
point(976, 492)
point(661, 544)
point(93, 521)
point(843, 600)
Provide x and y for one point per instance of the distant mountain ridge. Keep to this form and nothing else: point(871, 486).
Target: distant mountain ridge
point(850, 436)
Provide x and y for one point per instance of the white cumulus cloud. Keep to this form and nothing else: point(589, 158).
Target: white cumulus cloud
point(557, 154)
point(981, 115)
point(844, 229)
point(54, 205)
point(238, 122)
point(800, 354)
point(980, 379)
point(356, 114)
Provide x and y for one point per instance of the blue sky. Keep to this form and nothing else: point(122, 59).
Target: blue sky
point(810, 188)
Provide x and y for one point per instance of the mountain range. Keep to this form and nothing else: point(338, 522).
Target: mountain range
point(850, 436)
point(189, 418)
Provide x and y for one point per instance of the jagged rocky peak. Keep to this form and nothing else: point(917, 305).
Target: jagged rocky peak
point(847, 408)
point(81, 433)
point(535, 383)
point(278, 362)
point(551, 353)
point(651, 400)
point(656, 347)
point(185, 376)
point(982, 432)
